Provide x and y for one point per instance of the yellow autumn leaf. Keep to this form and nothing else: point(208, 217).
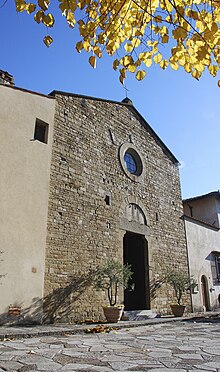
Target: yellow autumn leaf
point(182, 61)
point(20, 5)
point(73, 5)
point(188, 68)
point(70, 19)
point(97, 51)
point(48, 20)
point(193, 14)
point(92, 61)
point(101, 38)
point(128, 47)
point(30, 8)
point(190, 29)
point(87, 46)
point(126, 60)
point(39, 16)
point(135, 42)
point(164, 64)
point(168, 6)
point(132, 68)
point(165, 39)
point(64, 6)
point(174, 65)
point(157, 58)
point(93, 14)
point(148, 62)
point(196, 74)
point(81, 4)
point(43, 4)
point(121, 79)
point(138, 62)
point(116, 64)
point(48, 40)
point(79, 46)
point(219, 83)
point(213, 70)
point(122, 72)
point(199, 67)
point(143, 56)
point(179, 33)
point(200, 25)
point(158, 19)
point(164, 31)
point(140, 75)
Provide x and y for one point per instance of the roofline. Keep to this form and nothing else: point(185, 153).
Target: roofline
point(193, 219)
point(59, 92)
point(130, 106)
point(26, 90)
point(213, 194)
point(6, 72)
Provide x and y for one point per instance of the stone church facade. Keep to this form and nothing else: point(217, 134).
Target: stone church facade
point(111, 190)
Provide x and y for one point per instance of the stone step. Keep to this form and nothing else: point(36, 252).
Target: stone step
point(140, 315)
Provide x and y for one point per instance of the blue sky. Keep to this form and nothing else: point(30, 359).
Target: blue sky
point(185, 113)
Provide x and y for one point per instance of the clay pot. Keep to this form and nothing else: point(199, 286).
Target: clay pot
point(177, 310)
point(113, 313)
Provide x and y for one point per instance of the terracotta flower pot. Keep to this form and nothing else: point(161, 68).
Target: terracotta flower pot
point(113, 313)
point(177, 310)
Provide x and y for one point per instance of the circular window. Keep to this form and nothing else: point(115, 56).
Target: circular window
point(131, 161)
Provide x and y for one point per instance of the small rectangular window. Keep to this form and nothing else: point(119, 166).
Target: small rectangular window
point(215, 267)
point(41, 131)
point(217, 264)
point(107, 199)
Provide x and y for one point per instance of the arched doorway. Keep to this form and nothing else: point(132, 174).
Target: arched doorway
point(135, 252)
point(205, 293)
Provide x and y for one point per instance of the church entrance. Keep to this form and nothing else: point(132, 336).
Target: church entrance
point(136, 254)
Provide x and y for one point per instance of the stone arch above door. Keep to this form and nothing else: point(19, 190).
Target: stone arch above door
point(134, 213)
point(133, 217)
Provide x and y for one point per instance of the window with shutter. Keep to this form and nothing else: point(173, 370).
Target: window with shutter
point(217, 263)
point(215, 267)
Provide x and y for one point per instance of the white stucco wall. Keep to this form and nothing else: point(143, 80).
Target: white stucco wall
point(203, 209)
point(201, 241)
point(24, 184)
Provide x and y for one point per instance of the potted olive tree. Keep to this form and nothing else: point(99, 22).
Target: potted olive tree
point(180, 282)
point(112, 277)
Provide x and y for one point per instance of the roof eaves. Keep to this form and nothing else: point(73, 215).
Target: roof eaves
point(193, 219)
point(213, 194)
point(154, 134)
point(26, 90)
point(58, 92)
point(130, 107)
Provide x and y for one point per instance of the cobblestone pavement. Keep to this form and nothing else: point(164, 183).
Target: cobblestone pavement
point(179, 346)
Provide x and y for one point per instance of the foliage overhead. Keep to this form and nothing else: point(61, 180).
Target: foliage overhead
point(137, 33)
point(110, 277)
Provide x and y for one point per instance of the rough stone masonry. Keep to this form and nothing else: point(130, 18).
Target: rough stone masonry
point(93, 200)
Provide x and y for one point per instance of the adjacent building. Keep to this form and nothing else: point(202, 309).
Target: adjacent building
point(202, 222)
point(24, 190)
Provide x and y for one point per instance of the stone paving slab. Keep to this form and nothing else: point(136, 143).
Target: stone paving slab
point(184, 346)
point(59, 329)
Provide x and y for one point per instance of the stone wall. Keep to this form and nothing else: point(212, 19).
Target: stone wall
point(82, 229)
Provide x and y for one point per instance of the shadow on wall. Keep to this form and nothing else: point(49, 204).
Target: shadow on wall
point(56, 305)
point(155, 285)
